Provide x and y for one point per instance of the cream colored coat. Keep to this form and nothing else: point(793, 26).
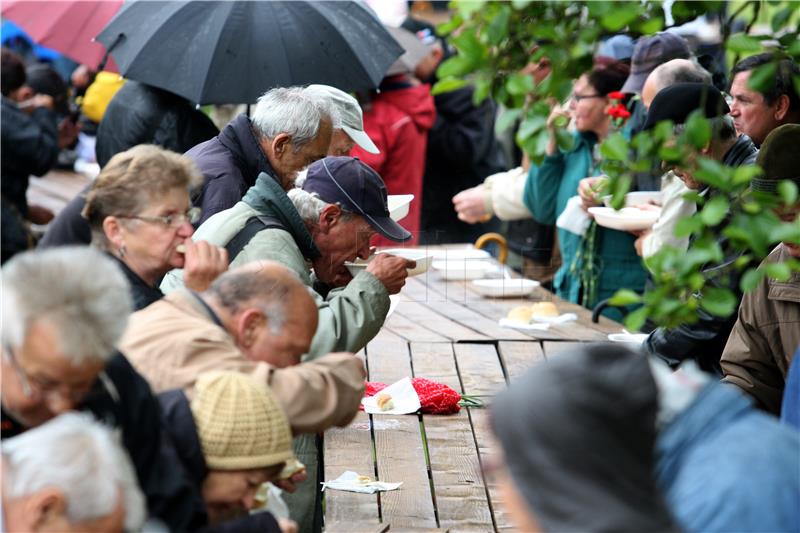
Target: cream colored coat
point(174, 340)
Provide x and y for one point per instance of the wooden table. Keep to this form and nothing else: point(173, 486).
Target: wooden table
point(446, 332)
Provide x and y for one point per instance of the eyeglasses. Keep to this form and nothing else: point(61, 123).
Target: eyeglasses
point(32, 386)
point(579, 97)
point(191, 216)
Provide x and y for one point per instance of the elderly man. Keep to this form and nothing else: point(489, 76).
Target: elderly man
point(327, 222)
point(767, 330)
point(757, 113)
point(348, 125)
point(63, 312)
point(705, 339)
point(257, 319)
point(69, 474)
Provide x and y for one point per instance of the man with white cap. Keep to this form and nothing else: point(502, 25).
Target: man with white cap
point(348, 125)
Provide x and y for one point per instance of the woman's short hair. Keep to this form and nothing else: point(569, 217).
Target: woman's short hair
point(134, 178)
point(608, 75)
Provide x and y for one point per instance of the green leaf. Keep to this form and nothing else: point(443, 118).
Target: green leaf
point(740, 43)
point(651, 25)
point(564, 139)
point(698, 130)
point(467, 7)
point(624, 297)
point(470, 46)
point(762, 79)
point(520, 4)
point(688, 225)
point(719, 301)
point(447, 85)
point(446, 27)
point(778, 271)
point(455, 66)
point(507, 119)
point(711, 172)
point(746, 173)
point(615, 147)
point(751, 279)
point(787, 190)
point(714, 211)
point(635, 320)
point(519, 84)
point(780, 18)
point(620, 16)
point(670, 154)
point(483, 86)
point(498, 28)
point(786, 232)
point(529, 126)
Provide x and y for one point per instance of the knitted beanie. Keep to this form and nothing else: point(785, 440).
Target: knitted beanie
point(239, 422)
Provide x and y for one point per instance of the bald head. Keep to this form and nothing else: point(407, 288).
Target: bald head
point(267, 309)
point(670, 73)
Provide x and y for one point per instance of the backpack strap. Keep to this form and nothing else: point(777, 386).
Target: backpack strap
point(251, 227)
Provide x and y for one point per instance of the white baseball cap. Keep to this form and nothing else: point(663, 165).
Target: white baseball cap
point(350, 115)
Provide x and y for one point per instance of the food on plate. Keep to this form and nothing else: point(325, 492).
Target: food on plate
point(385, 402)
point(544, 309)
point(363, 480)
point(292, 467)
point(522, 314)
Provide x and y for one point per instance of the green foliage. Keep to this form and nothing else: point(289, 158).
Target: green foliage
point(495, 40)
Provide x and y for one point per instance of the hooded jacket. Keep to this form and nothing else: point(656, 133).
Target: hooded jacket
point(398, 121)
point(349, 317)
point(230, 163)
point(579, 451)
point(766, 334)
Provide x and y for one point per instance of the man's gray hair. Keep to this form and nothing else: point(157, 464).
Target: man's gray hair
point(293, 111)
point(679, 71)
point(79, 291)
point(310, 205)
point(82, 458)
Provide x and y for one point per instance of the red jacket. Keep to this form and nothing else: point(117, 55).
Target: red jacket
point(398, 122)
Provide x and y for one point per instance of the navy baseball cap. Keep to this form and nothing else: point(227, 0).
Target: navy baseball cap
point(357, 188)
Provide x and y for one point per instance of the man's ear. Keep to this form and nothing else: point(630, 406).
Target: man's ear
point(781, 107)
point(329, 218)
point(112, 227)
point(281, 144)
point(46, 509)
point(248, 326)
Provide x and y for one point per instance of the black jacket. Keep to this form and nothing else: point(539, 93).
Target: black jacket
point(29, 145)
point(462, 152)
point(69, 227)
point(141, 114)
point(125, 402)
point(704, 340)
point(142, 293)
point(181, 435)
point(230, 163)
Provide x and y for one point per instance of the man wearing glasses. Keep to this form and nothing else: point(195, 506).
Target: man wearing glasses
point(63, 312)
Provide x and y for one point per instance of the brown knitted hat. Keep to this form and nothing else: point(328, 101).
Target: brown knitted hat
point(239, 422)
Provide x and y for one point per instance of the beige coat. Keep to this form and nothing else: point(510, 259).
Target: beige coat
point(765, 337)
point(174, 340)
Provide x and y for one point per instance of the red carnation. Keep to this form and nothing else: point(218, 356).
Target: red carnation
point(616, 95)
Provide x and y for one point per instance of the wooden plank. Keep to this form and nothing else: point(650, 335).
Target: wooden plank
point(488, 448)
point(361, 527)
point(438, 322)
point(553, 348)
point(517, 357)
point(461, 499)
point(398, 442)
point(479, 369)
point(350, 448)
point(411, 330)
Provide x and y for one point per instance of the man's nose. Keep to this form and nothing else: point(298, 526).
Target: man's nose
point(59, 403)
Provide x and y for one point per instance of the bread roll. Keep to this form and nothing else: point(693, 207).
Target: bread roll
point(544, 309)
point(521, 314)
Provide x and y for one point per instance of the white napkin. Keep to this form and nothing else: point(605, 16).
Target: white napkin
point(403, 395)
point(516, 324)
point(574, 219)
point(349, 482)
point(560, 319)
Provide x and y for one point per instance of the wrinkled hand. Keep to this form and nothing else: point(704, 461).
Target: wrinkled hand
point(38, 100)
point(287, 526)
point(587, 190)
point(391, 271)
point(203, 262)
point(470, 204)
point(290, 484)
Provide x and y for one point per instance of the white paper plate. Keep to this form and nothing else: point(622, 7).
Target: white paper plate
point(626, 219)
point(631, 338)
point(460, 254)
point(415, 254)
point(394, 301)
point(637, 198)
point(505, 288)
point(399, 204)
point(464, 270)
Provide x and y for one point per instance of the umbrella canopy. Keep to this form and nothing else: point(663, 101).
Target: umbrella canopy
point(232, 52)
point(66, 27)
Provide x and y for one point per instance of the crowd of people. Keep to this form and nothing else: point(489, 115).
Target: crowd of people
point(185, 327)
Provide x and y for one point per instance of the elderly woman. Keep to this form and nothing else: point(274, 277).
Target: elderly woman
point(140, 213)
point(231, 438)
point(608, 260)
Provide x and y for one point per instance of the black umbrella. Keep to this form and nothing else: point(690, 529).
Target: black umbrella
point(231, 52)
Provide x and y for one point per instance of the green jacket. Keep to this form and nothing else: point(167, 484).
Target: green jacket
point(349, 317)
point(547, 190)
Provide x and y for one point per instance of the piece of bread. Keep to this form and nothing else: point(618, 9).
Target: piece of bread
point(521, 314)
point(291, 468)
point(364, 480)
point(385, 402)
point(544, 309)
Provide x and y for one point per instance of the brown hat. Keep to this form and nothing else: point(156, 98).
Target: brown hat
point(239, 423)
point(779, 158)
